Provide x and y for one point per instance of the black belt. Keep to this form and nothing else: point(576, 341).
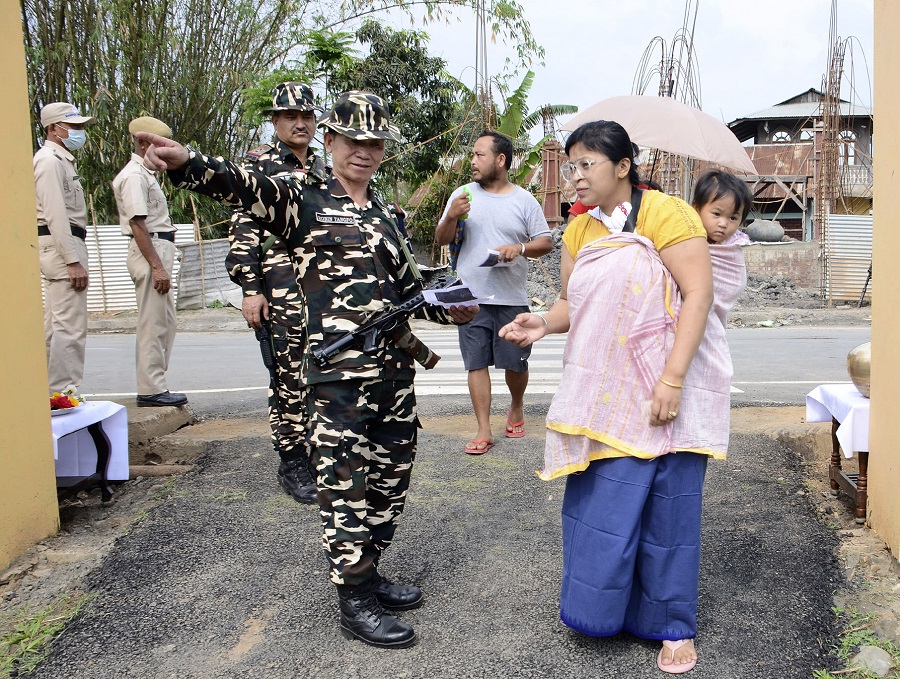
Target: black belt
point(76, 231)
point(164, 235)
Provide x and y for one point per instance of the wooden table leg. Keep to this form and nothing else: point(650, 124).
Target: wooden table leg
point(835, 456)
point(862, 483)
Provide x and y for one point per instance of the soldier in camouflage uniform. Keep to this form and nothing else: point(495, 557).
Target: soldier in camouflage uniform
point(350, 261)
point(259, 263)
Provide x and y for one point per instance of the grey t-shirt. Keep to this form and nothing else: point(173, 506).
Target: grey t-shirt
point(498, 219)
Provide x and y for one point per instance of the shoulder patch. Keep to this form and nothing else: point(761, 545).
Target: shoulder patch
point(253, 154)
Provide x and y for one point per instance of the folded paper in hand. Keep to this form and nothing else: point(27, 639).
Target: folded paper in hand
point(493, 259)
point(457, 295)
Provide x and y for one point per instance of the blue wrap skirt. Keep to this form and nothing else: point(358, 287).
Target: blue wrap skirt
point(631, 546)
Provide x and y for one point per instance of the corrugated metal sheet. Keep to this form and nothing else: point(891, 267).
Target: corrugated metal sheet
point(848, 255)
point(202, 279)
point(111, 288)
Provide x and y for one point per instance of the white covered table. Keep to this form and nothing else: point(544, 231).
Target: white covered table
point(90, 444)
point(848, 412)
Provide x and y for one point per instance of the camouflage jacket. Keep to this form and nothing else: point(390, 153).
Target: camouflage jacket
point(349, 260)
point(269, 273)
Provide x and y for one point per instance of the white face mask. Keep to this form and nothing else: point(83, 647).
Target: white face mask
point(75, 140)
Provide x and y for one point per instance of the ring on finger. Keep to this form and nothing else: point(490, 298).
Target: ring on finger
point(673, 414)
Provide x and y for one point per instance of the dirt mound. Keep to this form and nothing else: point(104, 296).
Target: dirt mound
point(777, 291)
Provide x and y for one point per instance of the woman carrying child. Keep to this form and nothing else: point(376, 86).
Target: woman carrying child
point(623, 428)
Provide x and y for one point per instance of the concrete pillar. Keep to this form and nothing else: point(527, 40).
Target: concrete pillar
point(550, 178)
point(884, 460)
point(28, 505)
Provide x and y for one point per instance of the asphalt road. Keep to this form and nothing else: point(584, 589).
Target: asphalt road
point(225, 578)
point(223, 370)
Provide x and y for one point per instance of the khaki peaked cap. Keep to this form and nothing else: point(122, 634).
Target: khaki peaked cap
point(151, 125)
point(63, 112)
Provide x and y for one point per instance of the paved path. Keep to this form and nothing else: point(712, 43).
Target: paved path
point(225, 578)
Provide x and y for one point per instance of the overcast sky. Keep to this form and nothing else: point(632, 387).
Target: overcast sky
point(751, 53)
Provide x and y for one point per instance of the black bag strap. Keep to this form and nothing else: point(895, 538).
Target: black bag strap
point(631, 220)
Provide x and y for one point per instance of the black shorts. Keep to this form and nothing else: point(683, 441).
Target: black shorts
point(480, 345)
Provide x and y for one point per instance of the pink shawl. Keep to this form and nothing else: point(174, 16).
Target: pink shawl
point(622, 307)
point(703, 423)
point(623, 313)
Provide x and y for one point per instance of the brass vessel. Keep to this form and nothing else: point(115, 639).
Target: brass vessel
point(859, 365)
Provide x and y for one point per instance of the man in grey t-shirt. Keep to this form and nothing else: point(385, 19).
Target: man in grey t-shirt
point(503, 217)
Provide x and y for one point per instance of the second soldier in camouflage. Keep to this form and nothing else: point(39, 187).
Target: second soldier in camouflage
point(259, 262)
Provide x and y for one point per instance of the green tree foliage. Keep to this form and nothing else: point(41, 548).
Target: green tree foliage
point(187, 62)
point(183, 61)
point(507, 17)
point(419, 92)
point(327, 52)
point(471, 117)
point(431, 199)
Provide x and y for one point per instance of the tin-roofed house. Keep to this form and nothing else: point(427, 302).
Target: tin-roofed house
point(814, 156)
point(787, 149)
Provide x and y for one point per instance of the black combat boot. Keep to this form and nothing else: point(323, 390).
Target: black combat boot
point(363, 618)
point(295, 479)
point(396, 597)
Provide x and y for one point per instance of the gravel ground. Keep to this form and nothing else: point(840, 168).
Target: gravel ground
point(225, 577)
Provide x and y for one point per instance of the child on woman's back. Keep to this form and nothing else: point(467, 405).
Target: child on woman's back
point(722, 201)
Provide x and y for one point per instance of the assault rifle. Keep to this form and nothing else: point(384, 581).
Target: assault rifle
point(368, 334)
point(264, 337)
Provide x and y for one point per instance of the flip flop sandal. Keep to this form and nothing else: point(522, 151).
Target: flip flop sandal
point(473, 447)
point(672, 668)
point(511, 432)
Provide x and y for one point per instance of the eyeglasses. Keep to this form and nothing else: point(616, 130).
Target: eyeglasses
point(569, 169)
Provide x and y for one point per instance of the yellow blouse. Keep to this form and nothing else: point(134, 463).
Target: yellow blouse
point(663, 219)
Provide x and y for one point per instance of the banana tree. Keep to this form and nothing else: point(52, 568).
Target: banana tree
point(516, 122)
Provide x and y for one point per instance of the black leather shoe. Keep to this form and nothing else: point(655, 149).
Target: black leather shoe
point(363, 618)
point(166, 398)
point(396, 597)
point(296, 481)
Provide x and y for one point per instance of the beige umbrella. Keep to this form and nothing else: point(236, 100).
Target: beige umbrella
point(667, 124)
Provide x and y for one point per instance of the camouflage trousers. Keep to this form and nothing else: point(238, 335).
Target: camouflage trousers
point(287, 415)
point(362, 445)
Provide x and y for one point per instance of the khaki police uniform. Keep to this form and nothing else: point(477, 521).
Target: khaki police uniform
point(62, 228)
point(138, 194)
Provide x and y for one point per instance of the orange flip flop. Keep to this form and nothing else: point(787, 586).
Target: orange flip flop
point(511, 432)
point(474, 446)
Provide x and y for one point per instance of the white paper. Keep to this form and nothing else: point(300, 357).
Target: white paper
point(493, 259)
point(455, 295)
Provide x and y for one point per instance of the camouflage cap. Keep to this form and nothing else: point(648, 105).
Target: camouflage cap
point(292, 97)
point(360, 115)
